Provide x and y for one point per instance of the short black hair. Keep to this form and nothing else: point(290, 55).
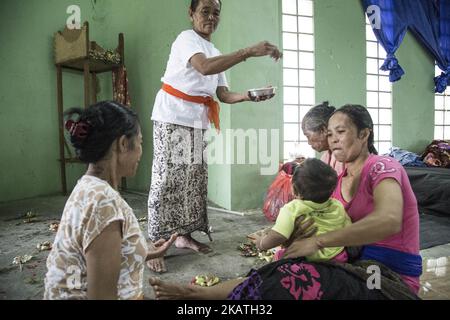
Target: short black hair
point(106, 121)
point(314, 180)
point(194, 4)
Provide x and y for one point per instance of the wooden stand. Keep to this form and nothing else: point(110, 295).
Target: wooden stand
point(72, 48)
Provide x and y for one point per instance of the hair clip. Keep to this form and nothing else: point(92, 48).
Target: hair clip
point(78, 129)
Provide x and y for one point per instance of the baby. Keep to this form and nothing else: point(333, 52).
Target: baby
point(313, 183)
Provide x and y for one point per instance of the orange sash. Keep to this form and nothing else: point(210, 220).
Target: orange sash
point(213, 106)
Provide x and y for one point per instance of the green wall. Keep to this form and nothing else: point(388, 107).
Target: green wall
point(28, 116)
point(219, 173)
point(341, 72)
point(149, 27)
point(340, 52)
point(28, 113)
point(253, 21)
point(28, 119)
point(413, 97)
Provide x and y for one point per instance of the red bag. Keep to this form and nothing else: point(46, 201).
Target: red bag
point(278, 195)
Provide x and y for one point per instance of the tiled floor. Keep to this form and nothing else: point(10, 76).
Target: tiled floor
point(17, 238)
point(435, 280)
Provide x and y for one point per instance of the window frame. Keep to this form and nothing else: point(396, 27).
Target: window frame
point(377, 109)
point(301, 102)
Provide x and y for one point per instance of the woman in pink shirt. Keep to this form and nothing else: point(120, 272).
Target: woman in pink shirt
point(377, 195)
point(314, 127)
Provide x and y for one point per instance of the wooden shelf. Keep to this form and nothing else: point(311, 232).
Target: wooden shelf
point(95, 66)
point(72, 50)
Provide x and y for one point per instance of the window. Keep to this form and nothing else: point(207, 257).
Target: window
point(298, 73)
point(441, 113)
point(379, 92)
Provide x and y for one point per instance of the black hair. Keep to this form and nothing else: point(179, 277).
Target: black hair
point(362, 120)
point(314, 180)
point(105, 121)
point(194, 4)
point(316, 119)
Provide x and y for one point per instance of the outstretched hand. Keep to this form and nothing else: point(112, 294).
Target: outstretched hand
point(160, 247)
point(265, 48)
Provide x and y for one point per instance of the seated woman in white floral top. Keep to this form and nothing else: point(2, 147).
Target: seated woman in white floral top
point(99, 251)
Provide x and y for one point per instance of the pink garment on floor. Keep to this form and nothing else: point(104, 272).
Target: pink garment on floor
point(341, 257)
point(330, 160)
point(279, 254)
point(375, 170)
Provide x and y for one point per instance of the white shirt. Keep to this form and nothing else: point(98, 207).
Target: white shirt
point(181, 75)
point(92, 206)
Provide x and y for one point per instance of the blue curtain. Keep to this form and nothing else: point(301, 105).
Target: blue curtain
point(390, 32)
point(442, 81)
point(430, 22)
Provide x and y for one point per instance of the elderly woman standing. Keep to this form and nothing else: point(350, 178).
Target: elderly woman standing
point(182, 112)
point(314, 127)
point(378, 197)
point(99, 251)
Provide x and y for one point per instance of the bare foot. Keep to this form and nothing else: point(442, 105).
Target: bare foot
point(168, 291)
point(157, 265)
point(187, 242)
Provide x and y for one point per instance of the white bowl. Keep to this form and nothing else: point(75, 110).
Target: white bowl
point(262, 92)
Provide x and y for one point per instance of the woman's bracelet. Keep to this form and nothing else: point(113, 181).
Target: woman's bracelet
point(244, 53)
